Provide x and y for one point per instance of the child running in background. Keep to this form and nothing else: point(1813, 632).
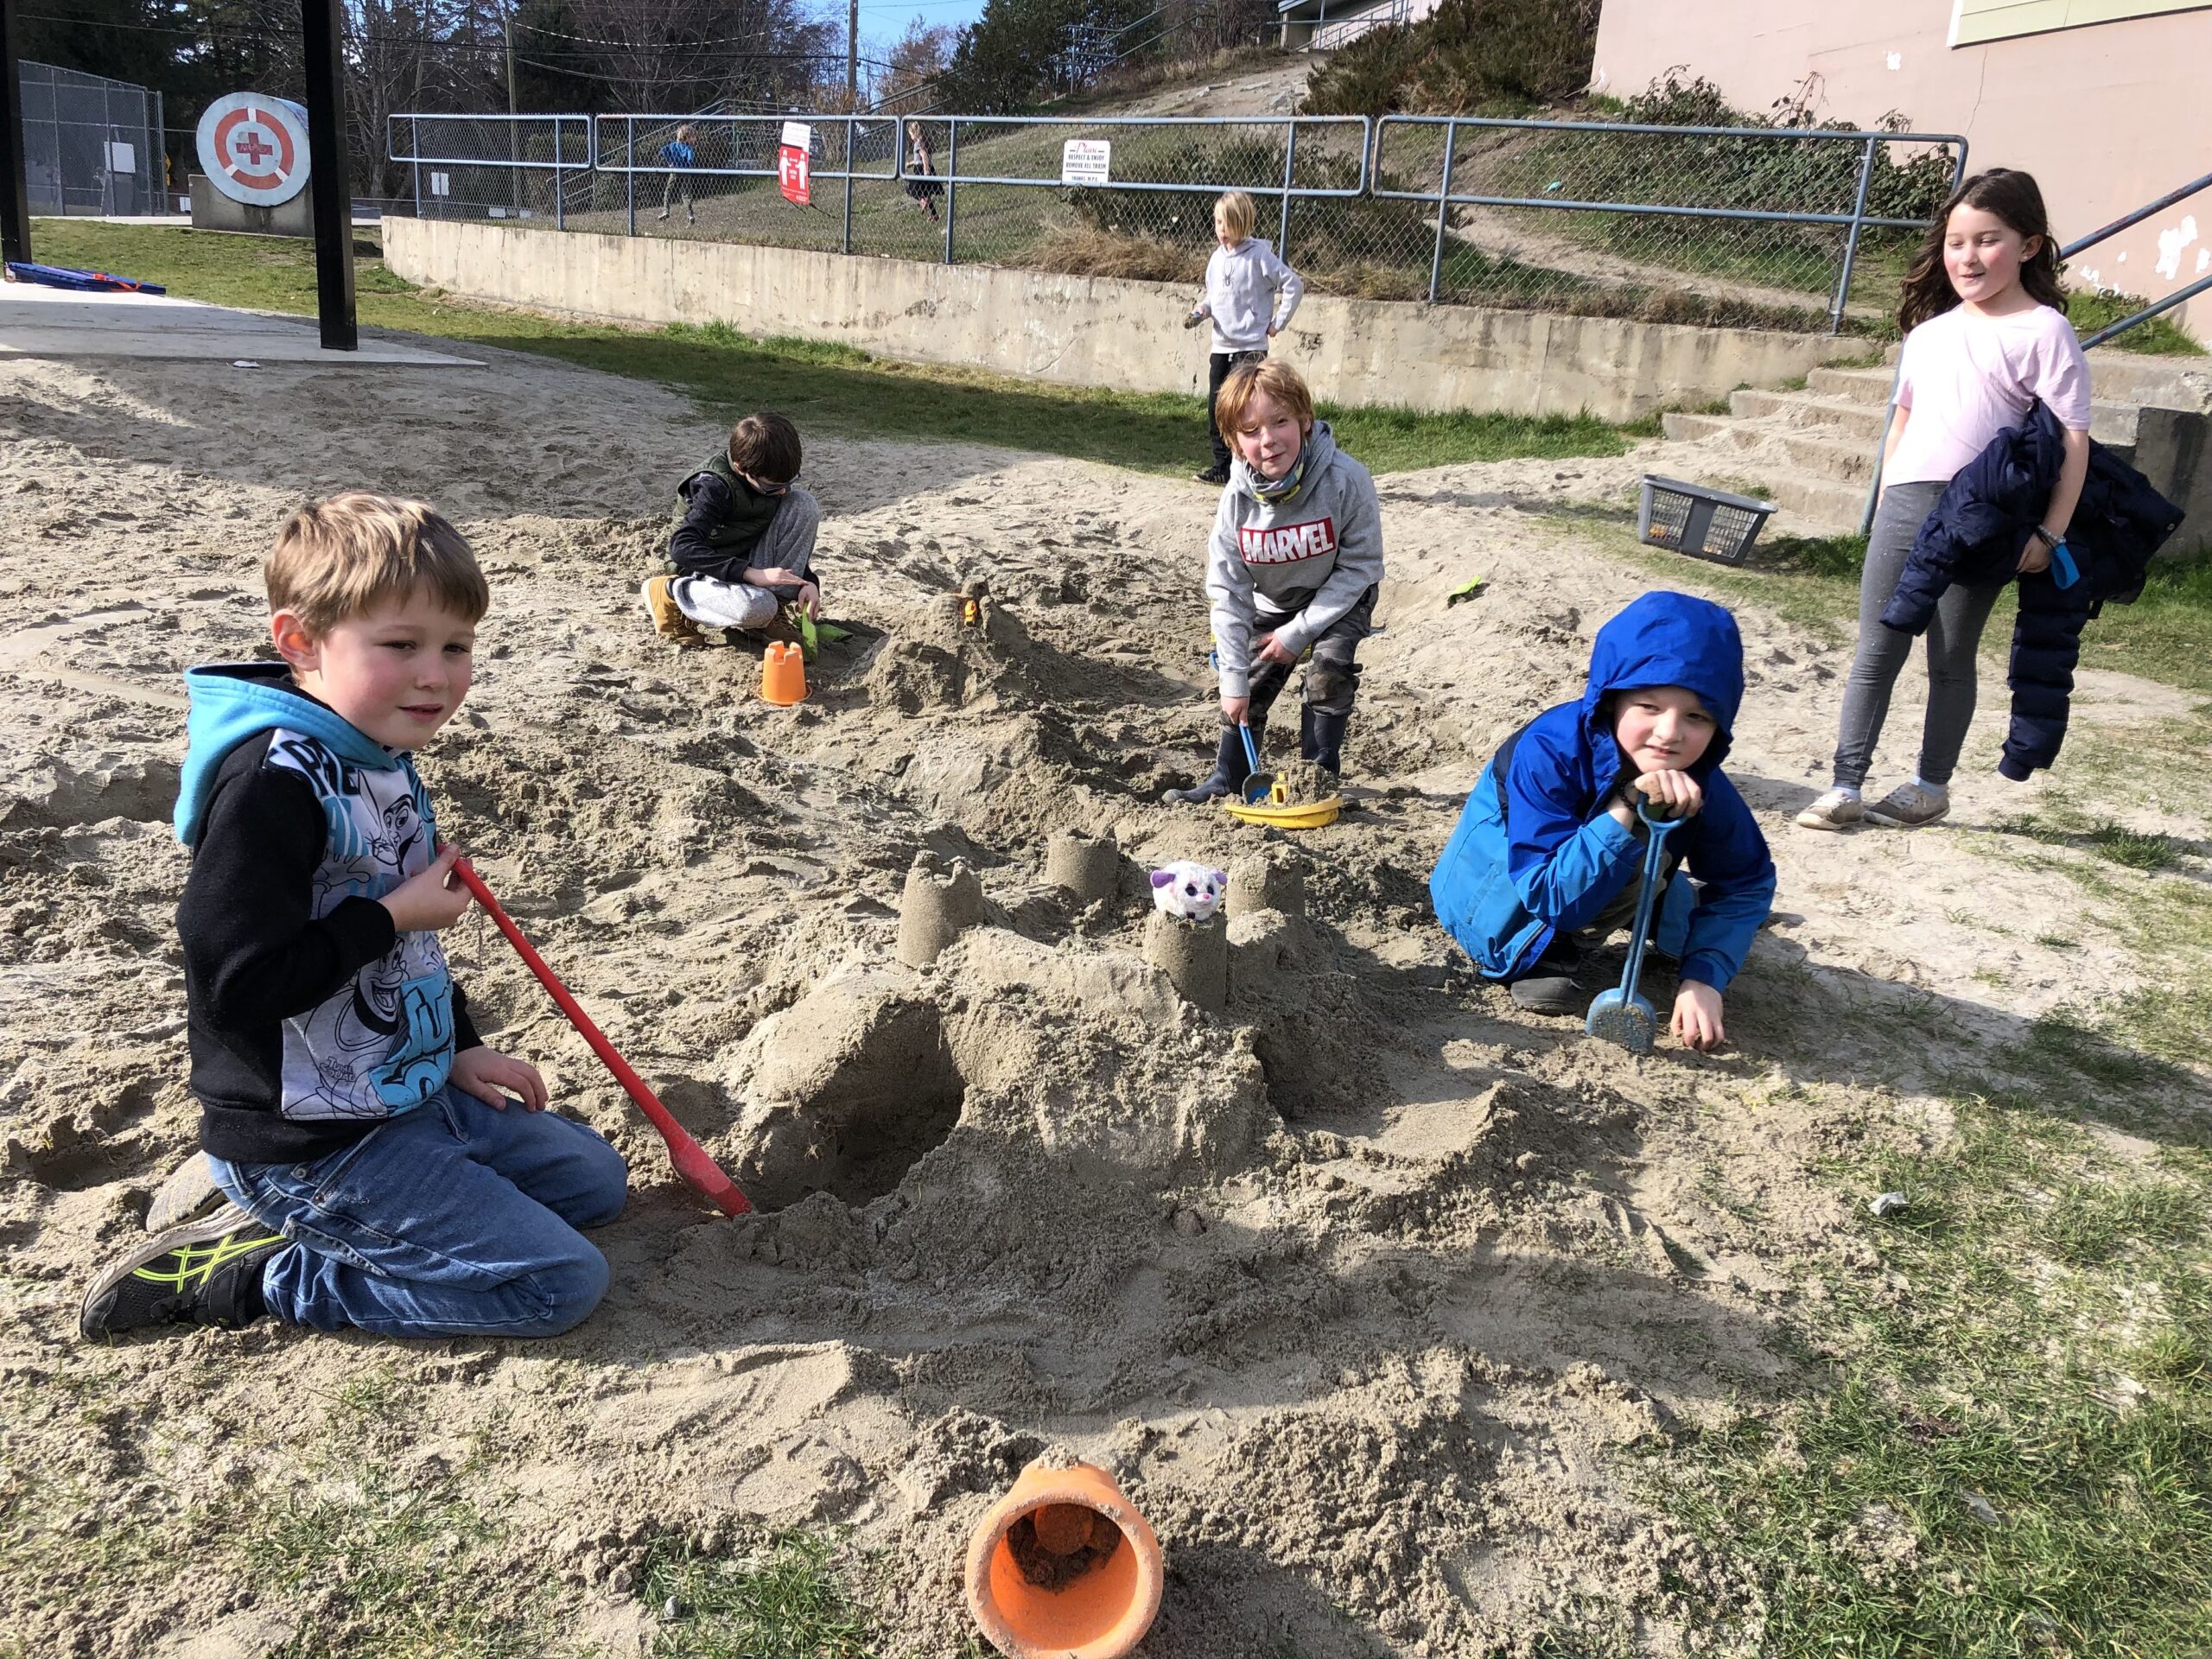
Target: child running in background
point(679, 155)
point(1550, 850)
point(745, 547)
point(1293, 564)
point(1250, 297)
point(385, 1170)
point(923, 191)
point(1986, 338)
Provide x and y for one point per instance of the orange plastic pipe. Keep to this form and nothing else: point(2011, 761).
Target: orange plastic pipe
point(1102, 1613)
point(699, 1172)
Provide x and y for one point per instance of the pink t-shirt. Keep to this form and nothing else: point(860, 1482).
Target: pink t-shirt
point(1967, 378)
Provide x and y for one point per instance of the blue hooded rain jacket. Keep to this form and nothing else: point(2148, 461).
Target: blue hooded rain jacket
point(1535, 853)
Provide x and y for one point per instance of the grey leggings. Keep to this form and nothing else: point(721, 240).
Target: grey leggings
point(1953, 638)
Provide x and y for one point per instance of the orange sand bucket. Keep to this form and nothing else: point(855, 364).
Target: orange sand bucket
point(783, 674)
point(1063, 1568)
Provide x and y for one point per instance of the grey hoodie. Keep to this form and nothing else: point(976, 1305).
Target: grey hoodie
point(1248, 290)
point(1319, 550)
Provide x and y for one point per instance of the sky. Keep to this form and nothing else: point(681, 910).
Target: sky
point(886, 20)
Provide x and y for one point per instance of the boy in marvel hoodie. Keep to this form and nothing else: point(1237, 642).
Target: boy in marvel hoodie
point(1293, 564)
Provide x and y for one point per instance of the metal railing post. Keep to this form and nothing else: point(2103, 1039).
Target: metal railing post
point(1443, 200)
point(630, 169)
point(560, 195)
point(951, 177)
point(415, 147)
point(848, 245)
point(1851, 242)
point(1881, 449)
point(1289, 161)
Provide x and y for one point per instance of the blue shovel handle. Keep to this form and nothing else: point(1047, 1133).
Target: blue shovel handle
point(1621, 1014)
point(1251, 750)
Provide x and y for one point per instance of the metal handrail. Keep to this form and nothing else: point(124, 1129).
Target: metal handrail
point(631, 164)
point(1858, 219)
point(2137, 217)
point(2179, 296)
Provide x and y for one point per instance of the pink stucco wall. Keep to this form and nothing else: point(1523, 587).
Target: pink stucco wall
point(2106, 117)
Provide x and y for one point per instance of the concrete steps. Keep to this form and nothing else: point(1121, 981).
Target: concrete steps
point(1812, 452)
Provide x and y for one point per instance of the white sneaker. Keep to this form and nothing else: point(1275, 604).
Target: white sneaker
point(1833, 811)
point(1910, 805)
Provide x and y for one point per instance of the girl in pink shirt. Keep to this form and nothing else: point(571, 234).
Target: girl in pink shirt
point(1986, 338)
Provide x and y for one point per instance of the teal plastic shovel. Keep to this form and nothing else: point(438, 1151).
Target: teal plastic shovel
point(1621, 1015)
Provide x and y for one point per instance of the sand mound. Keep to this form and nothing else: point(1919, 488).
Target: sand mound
point(1359, 1280)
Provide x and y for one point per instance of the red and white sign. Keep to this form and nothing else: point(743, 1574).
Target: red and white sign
point(1287, 543)
point(792, 162)
point(254, 148)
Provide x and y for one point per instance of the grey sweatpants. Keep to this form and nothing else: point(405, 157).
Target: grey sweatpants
point(1954, 638)
point(788, 542)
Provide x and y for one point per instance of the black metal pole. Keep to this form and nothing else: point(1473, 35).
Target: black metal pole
point(15, 191)
point(330, 176)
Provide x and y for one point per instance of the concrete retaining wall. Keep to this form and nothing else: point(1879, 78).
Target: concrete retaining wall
point(1096, 331)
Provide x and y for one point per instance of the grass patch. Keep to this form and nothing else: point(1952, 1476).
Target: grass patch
point(2159, 337)
point(2010, 1449)
point(2134, 850)
point(385, 1569)
point(824, 385)
point(786, 1601)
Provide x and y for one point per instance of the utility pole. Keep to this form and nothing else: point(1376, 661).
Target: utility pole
point(851, 58)
point(15, 188)
point(330, 173)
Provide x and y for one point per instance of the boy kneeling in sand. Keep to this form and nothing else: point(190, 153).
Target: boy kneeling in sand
point(378, 1174)
point(746, 545)
point(1550, 848)
point(1295, 558)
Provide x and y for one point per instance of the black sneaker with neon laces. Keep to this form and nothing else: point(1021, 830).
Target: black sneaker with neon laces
point(206, 1272)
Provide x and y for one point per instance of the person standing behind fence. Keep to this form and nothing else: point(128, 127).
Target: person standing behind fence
point(918, 160)
point(678, 155)
point(1249, 297)
point(1986, 339)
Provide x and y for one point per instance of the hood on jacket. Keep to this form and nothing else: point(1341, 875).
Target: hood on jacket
point(233, 702)
point(1669, 639)
point(1319, 449)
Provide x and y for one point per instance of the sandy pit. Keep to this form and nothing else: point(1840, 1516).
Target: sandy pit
point(1360, 1286)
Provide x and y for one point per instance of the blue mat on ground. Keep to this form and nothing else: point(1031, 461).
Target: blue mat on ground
point(97, 282)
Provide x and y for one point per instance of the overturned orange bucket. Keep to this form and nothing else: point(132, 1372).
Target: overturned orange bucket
point(783, 674)
point(1063, 1568)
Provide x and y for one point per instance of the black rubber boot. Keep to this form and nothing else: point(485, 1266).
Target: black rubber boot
point(1229, 772)
point(1321, 738)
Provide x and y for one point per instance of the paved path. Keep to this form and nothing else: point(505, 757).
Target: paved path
point(39, 322)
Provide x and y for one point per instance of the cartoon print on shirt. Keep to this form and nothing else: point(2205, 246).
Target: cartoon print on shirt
point(385, 1042)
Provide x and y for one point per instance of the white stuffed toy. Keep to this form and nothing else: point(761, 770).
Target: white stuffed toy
point(1191, 892)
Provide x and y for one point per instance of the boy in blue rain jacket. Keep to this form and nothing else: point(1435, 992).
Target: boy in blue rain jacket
point(1549, 845)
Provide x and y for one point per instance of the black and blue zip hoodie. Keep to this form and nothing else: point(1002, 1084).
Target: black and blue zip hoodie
point(1537, 853)
point(312, 1019)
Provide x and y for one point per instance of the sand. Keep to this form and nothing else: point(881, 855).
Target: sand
point(1360, 1286)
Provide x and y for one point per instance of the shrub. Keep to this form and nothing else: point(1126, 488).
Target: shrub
point(1467, 57)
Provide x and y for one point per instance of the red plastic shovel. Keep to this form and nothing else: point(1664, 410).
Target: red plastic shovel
point(699, 1172)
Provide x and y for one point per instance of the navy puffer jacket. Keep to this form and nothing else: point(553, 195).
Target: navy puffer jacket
point(1974, 535)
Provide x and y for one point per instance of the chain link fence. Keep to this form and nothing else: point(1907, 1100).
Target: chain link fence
point(90, 145)
point(1787, 226)
point(1798, 228)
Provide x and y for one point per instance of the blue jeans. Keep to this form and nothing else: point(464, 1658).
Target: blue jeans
point(452, 1219)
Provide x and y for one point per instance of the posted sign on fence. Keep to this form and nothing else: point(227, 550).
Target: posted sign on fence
point(792, 162)
point(1086, 160)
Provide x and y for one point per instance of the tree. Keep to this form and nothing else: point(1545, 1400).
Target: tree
point(919, 57)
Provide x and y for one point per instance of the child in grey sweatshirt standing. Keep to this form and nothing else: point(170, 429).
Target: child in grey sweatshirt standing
point(1250, 297)
point(1294, 562)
